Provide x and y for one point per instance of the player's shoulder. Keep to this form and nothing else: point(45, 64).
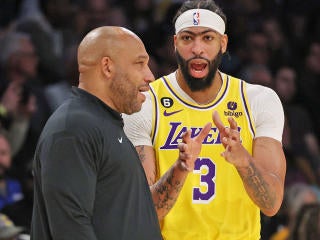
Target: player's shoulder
point(260, 91)
point(253, 90)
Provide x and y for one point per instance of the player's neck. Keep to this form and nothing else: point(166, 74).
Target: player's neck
point(205, 96)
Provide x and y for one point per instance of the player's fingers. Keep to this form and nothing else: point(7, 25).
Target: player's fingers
point(186, 136)
point(226, 152)
point(234, 135)
point(203, 133)
point(227, 131)
point(183, 156)
point(227, 141)
point(232, 139)
point(182, 147)
point(233, 123)
point(217, 121)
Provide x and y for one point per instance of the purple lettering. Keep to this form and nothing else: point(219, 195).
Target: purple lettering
point(176, 132)
point(170, 143)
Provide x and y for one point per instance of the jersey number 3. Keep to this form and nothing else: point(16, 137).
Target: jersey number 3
point(207, 172)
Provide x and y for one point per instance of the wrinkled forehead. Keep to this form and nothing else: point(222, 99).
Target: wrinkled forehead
point(200, 18)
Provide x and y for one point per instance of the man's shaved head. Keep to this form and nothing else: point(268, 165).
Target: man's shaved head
point(113, 66)
point(100, 42)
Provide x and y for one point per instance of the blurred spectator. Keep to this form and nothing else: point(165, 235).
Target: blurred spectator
point(20, 212)
point(18, 57)
point(307, 223)
point(160, 42)
point(258, 74)
point(302, 145)
point(97, 12)
point(56, 93)
point(296, 28)
point(253, 57)
point(19, 62)
point(280, 51)
point(10, 189)
point(10, 96)
point(8, 230)
point(166, 57)
point(295, 197)
point(309, 83)
point(118, 17)
point(257, 48)
point(47, 23)
point(140, 14)
point(17, 104)
point(20, 82)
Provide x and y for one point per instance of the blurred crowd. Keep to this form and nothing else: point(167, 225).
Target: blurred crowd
point(271, 42)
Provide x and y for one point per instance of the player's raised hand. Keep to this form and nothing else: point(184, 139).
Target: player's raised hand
point(190, 148)
point(234, 152)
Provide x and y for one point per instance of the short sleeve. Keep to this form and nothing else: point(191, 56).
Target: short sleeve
point(267, 111)
point(138, 126)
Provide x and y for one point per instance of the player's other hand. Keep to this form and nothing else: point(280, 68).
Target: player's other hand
point(190, 148)
point(234, 152)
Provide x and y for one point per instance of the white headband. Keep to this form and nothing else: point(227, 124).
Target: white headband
point(200, 18)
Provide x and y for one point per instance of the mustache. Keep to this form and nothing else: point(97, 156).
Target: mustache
point(198, 57)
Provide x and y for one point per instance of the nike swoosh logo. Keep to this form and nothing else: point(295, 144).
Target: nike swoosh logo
point(167, 114)
point(120, 140)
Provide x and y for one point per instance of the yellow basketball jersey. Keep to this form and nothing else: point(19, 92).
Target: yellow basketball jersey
point(213, 203)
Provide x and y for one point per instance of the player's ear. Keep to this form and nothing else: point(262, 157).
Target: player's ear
point(175, 41)
point(107, 66)
point(224, 43)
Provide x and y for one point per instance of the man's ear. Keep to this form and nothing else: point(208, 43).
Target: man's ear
point(107, 66)
point(224, 43)
point(175, 42)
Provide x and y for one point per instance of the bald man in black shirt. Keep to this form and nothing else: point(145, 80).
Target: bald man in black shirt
point(89, 182)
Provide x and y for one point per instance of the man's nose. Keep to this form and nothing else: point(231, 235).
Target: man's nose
point(197, 47)
point(149, 77)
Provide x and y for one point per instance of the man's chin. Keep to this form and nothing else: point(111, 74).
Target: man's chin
point(133, 109)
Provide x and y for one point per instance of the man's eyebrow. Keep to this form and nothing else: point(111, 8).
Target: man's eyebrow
point(143, 57)
point(200, 33)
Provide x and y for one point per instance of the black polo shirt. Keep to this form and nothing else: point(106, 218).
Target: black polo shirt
point(89, 182)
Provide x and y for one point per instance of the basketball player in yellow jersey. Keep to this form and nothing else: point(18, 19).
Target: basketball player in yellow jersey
point(241, 167)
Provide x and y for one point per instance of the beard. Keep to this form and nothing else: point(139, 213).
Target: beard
point(125, 99)
point(198, 84)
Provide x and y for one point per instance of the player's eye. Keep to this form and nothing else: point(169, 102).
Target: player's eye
point(186, 38)
point(208, 37)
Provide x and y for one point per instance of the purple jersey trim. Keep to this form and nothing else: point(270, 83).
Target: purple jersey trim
point(246, 108)
point(193, 106)
point(156, 114)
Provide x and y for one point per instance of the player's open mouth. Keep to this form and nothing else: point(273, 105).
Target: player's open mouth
point(198, 68)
